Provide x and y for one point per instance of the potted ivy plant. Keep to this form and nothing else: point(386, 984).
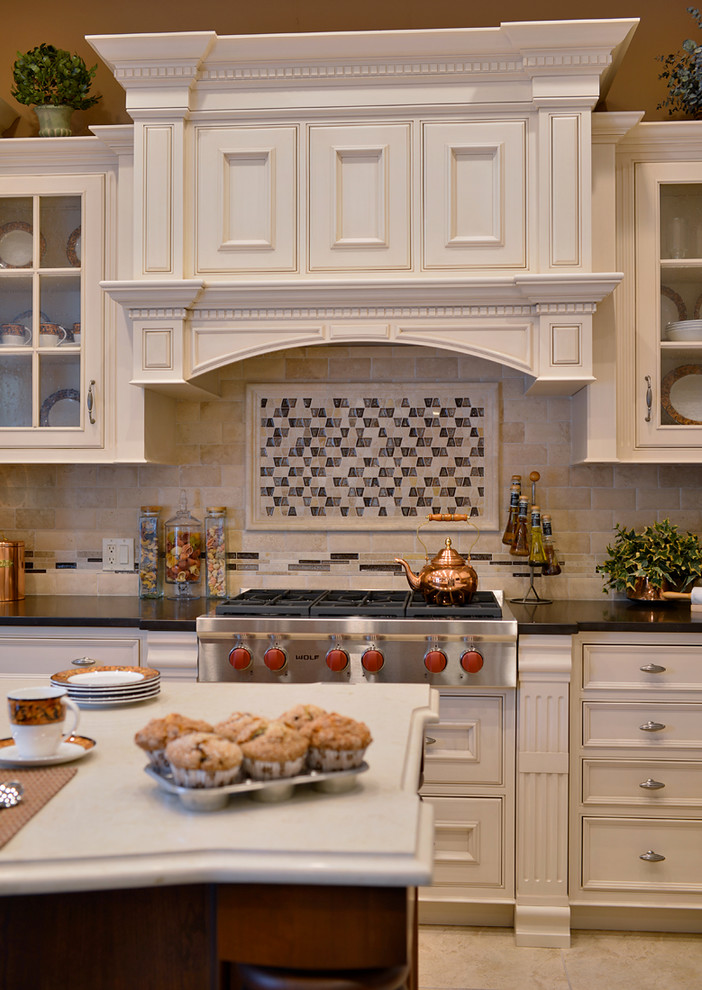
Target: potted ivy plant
point(55, 82)
point(644, 565)
point(682, 72)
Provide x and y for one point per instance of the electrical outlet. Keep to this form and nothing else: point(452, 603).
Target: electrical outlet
point(118, 555)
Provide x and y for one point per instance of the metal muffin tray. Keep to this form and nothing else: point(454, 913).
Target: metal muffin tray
point(215, 798)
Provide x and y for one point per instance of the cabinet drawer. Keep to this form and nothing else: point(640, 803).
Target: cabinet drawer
point(637, 782)
point(49, 654)
point(612, 848)
point(630, 667)
point(467, 742)
point(612, 725)
point(467, 841)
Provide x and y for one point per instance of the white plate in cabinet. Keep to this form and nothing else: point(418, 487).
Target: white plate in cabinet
point(654, 784)
point(647, 725)
point(662, 668)
point(475, 194)
point(246, 199)
point(359, 197)
point(467, 841)
point(465, 746)
point(642, 854)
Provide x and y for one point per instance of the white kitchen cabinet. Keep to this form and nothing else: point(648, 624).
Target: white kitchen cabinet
point(53, 648)
point(636, 769)
point(469, 781)
point(65, 225)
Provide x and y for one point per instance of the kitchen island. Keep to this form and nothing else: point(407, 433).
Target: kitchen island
point(146, 892)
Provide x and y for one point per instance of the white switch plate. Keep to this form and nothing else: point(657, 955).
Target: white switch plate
point(118, 554)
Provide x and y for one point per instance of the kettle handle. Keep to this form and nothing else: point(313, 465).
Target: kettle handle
point(447, 517)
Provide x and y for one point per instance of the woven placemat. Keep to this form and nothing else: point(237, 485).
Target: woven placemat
point(40, 784)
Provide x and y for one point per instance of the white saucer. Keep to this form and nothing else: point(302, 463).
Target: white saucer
point(67, 751)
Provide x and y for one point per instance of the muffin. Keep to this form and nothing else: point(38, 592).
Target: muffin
point(336, 742)
point(240, 726)
point(277, 751)
point(204, 759)
point(157, 733)
point(301, 716)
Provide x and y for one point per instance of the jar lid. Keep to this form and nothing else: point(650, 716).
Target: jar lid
point(216, 508)
point(151, 508)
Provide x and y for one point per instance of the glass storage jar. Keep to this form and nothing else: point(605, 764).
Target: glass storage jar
point(149, 576)
point(183, 554)
point(215, 552)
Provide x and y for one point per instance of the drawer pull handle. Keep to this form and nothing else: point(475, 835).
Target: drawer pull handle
point(651, 784)
point(83, 662)
point(652, 726)
point(429, 741)
point(652, 857)
point(652, 668)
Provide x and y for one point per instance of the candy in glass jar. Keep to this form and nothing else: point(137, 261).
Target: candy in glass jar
point(215, 552)
point(183, 553)
point(149, 584)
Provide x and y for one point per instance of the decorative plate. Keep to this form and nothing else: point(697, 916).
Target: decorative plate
point(72, 748)
point(672, 306)
point(107, 677)
point(60, 395)
point(73, 248)
point(698, 309)
point(16, 243)
point(681, 394)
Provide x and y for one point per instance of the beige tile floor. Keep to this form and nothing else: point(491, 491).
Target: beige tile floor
point(487, 959)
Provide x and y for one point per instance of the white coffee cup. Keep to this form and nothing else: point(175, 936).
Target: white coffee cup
point(38, 719)
point(51, 335)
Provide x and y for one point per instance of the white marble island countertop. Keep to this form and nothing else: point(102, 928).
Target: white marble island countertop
point(112, 826)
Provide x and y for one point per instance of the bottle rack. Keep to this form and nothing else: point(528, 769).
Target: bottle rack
point(532, 597)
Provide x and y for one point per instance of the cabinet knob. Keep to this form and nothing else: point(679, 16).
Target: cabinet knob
point(652, 668)
point(652, 857)
point(651, 784)
point(652, 726)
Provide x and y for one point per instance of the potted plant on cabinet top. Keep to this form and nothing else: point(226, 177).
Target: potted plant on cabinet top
point(683, 75)
point(55, 83)
point(644, 565)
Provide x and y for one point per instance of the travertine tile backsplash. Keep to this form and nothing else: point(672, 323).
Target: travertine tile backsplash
point(63, 512)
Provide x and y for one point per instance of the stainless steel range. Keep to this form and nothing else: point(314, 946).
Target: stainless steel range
point(356, 636)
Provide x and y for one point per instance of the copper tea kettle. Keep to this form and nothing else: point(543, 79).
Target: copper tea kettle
point(448, 578)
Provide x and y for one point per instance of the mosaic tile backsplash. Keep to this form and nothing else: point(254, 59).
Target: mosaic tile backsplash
point(341, 455)
point(62, 512)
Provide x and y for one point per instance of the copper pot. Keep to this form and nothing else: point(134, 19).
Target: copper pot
point(11, 570)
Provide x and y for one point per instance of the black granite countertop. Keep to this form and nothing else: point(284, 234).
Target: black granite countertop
point(562, 617)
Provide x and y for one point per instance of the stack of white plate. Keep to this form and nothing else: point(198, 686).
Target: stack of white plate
point(684, 330)
point(109, 685)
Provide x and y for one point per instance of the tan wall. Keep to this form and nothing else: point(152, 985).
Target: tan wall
point(662, 29)
point(63, 512)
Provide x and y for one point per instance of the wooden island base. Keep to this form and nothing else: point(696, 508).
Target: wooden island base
point(189, 937)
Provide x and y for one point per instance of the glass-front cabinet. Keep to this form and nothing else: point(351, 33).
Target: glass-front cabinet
point(51, 327)
point(668, 304)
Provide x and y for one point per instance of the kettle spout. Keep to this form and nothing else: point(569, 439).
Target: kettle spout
point(412, 578)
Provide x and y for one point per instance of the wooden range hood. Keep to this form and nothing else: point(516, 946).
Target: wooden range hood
point(415, 187)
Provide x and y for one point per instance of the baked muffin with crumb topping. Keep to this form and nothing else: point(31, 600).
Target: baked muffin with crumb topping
point(300, 717)
point(240, 726)
point(157, 733)
point(204, 759)
point(336, 742)
point(277, 751)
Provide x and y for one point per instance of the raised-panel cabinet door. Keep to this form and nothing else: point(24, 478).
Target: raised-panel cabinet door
point(474, 210)
point(246, 199)
point(359, 197)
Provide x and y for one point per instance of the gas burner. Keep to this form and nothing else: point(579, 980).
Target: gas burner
point(266, 601)
point(341, 603)
point(483, 605)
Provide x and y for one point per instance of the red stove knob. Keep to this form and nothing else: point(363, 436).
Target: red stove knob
point(240, 658)
point(274, 658)
point(435, 661)
point(372, 661)
point(337, 659)
point(472, 661)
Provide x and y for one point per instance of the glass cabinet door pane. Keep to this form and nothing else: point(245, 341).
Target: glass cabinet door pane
point(16, 232)
point(59, 297)
point(16, 390)
point(59, 390)
point(16, 310)
point(60, 223)
point(681, 220)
